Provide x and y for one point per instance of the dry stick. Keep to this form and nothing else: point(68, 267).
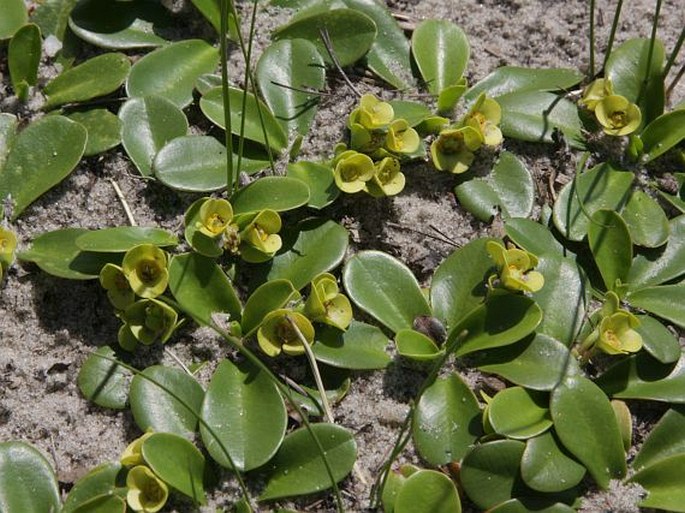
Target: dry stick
point(329, 48)
point(675, 52)
point(122, 199)
point(677, 78)
point(398, 226)
point(177, 360)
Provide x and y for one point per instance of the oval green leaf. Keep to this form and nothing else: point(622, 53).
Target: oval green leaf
point(666, 439)
point(586, 424)
point(279, 193)
point(489, 472)
point(519, 413)
point(27, 481)
point(646, 220)
point(92, 489)
point(602, 187)
point(441, 52)
point(412, 112)
point(103, 381)
point(41, 156)
point(665, 484)
point(23, 57)
point(427, 491)
point(284, 72)
point(360, 347)
point(171, 71)
point(258, 117)
point(98, 76)
point(447, 421)
point(244, 415)
point(349, 45)
point(154, 396)
point(269, 296)
point(103, 127)
point(8, 131)
point(534, 237)
point(147, 124)
point(298, 468)
point(384, 288)
point(658, 340)
point(611, 246)
point(663, 133)
point(510, 79)
point(202, 288)
point(665, 301)
point(319, 179)
point(545, 466)
point(14, 16)
point(416, 346)
point(122, 238)
point(177, 462)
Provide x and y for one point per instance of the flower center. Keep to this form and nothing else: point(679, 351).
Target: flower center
point(618, 119)
point(612, 339)
point(152, 493)
point(349, 172)
point(216, 223)
point(453, 143)
point(148, 271)
point(285, 333)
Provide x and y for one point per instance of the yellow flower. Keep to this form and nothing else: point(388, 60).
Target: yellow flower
point(484, 116)
point(326, 304)
point(148, 321)
point(372, 113)
point(515, 268)
point(453, 149)
point(145, 268)
point(133, 455)
point(401, 138)
point(388, 180)
point(617, 115)
point(119, 292)
point(617, 334)
point(596, 92)
point(8, 244)
point(259, 239)
point(277, 334)
point(352, 171)
point(146, 492)
point(215, 216)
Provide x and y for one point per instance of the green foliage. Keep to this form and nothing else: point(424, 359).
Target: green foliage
point(14, 17)
point(21, 464)
point(23, 59)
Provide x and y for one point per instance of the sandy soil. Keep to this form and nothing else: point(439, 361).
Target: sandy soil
point(48, 326)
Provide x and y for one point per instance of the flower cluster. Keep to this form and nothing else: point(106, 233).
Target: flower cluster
point(378, 143)
point(143, 273)
point(8, 244)
point(515, 269)
point(146, 491)
point(614, 112)
point(615, 332)
point(453, 149)
point(286, 330)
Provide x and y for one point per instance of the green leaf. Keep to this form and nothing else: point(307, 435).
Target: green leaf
point(122, 238)
point(155, 409)
point(56, 253)
point(360, 347)
point(518, 413)
point(319, 179)
point(348, 45)
point(611, 246)
point(643, 377)
point(177, 462)
point(545, 466)
point(147, 124)
point(412, 112)
point(171, 71)
point(666, 439)
point(269, 296)
point(23, 57)
point(384, 288)
point(666, 301)
point(298, 468)
point(427, 491)
point(211, 10)
point(52, 17)
point(285, 70)
point(244, 414)
point(459, 282)
point(197, 240)
point(665, 484)
point(103, 127)
point(531, 505)
point(104, 382)
point(133, 24)
point(27, 481)
point(602, 187)
point(416, 346)
point(586, 425)
point(663, 133)
point(8, 131)
point(92, 489)
point(508, 189)
point(538, 362)
point(510, 79)
point(500, 321)
point(659, 266)
point(202, 288)
point(41, 156)
point(489, 472)
point(258, 117)
point(441, 51)
point(627, 69)
point(98, 76)
point(567, 285)
point(646, 220)
point(447, 421)
point(14, 16)
point(534, 115)
point(279, 193)
point(311, 247)
point(533, 237)
point(658, 340)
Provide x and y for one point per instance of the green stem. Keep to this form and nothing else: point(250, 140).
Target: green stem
point(674, 53)
point(223, 50)
point(650, 53)
point(612, 34)
point(592, 38)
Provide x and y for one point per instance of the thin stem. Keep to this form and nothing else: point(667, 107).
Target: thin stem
point(592, 38)
point(124, 203)
point(612, 34)
point(677, 78)
point(177, 360)
point(650, 53)
point(223, 34)
point(674, 53)
point(331, 53)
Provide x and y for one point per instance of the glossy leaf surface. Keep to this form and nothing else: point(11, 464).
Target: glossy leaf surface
point(360, 347)
point(319, 179)
point(545, 466)
point(154, 408)
point(103, 381)
point(665, 484)
point(95, 488)
point(416, 346)
point(14, 16)
point(246, 415)
point(646, 220)
point(666, 439)
point(103, 127)
point(427, 491)
point(147, 124)
point(298, 469)
point(269, 296)
point(587, 427)
point(510, 79)
point(518, 413)
point(611, 246)
point(27, 481)
point(533, 237)
point(665, 301)
point(658, 340)
point(122, 238)
point(279, 193)
point(385, 288)
point(446, 421)
point(663, 133)
point(23, 57)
